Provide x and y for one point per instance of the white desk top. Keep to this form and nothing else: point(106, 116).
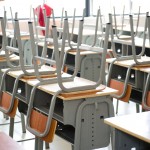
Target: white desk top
point(73, 51)
point(137, 125)
point(52, 88)
point(127, 63)
point(13, 57)
point(138, 42)
point(127, 28)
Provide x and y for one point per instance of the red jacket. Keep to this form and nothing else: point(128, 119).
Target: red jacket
point(41, 14)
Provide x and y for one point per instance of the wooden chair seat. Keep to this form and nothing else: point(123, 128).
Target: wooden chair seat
point(7, 143)
point(5, 103)
point(118, 85)
point(147, 103)
point(38, 122)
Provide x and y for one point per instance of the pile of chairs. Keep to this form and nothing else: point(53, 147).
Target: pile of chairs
point(52, 73)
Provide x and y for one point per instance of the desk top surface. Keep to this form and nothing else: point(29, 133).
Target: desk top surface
point(87, 32)
point(137, 125)
point(13, 57)
point(71, 51)
point(127, 63)
point(24, 35)
point(127, 28)
point(127, 41)
point(52, 88)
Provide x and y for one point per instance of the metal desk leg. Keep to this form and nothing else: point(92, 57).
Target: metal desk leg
point(125, 141)
point(90, 125)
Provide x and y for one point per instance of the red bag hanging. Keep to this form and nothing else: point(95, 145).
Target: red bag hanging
point(48, 10)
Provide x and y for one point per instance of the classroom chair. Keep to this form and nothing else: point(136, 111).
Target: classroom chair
point(146, 95)
point(125, 91)
point(59, 55)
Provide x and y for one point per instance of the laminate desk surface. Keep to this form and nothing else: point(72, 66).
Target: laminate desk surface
point(13, 57)
point(86, 31)
point(127, 63)
point(50, 46)
point(72, 52)
point(82, 52)
point(127, 41)
point(52, 88)
point(24, 35)
point(17, 73)
point(137, 125)
point(145, 69)
point(127, 28)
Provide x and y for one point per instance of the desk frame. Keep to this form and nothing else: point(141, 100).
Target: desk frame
point(85, 114)
point(124, 141)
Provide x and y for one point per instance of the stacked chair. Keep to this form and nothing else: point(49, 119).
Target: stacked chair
point(146, 92)
point(14, 67)
point(146, 95)
point(125, 88)
point(94, 60)
point(47, 76)
point(60, 80)
point(6, 107)
point(119, 33)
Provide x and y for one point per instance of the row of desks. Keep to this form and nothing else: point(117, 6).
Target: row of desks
point(137, 77)
point(71, 105)
point(82, 111)
point(131, 131)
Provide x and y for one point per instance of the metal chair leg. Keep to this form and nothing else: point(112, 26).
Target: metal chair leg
point(5, 116)
point(23, 123)
point(46, 145)
point(72, 147)
point(117, 105)
point(137, 108)
point(36, 143)
point(11, 127)
point(40, 144)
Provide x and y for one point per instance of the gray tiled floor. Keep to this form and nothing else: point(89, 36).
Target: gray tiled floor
point(58, 143)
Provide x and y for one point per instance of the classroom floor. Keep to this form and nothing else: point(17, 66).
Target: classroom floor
point(58, 143)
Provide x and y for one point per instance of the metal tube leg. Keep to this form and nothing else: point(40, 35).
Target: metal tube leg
point(6, 117)
point(23, 123)
point(113, 139)
point(11, 127)
point(117, 105)
point(72, 147)
point(40, 144)
point(137, 108)
point(36, 143)
point(46, 145)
